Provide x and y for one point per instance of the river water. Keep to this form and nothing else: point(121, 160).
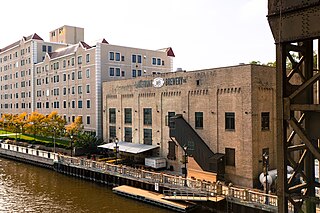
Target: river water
point(27, 188)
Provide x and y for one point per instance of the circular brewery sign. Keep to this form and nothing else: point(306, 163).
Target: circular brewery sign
point(158, 82)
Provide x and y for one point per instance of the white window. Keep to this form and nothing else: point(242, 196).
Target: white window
point(88, 88)
point(88, 73)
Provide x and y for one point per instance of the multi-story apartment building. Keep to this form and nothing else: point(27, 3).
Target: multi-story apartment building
point(66, 74)
point(225, 115)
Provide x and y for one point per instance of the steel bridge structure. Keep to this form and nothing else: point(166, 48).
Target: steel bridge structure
point(295, 25)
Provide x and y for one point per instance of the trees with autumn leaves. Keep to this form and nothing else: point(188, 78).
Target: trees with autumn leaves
point(51, 126)
point(38, 124)
point(75, 128)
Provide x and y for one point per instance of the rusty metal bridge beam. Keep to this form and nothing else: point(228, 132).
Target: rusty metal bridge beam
point(295, 25)
point(290, 104)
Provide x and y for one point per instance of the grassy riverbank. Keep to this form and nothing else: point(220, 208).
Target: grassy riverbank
point(34, 139)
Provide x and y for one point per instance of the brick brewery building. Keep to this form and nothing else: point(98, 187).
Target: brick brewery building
point(224, 116)
point(66, 74)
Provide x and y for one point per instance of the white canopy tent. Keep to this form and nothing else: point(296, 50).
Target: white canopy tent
point(132, 148)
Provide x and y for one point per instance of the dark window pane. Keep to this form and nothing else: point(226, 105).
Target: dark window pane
point(230, 157)
point(169, 121)
point(172, 150)
point(117, 71)
point(265, 121)
point(112, 132)
point(128, 134)
point(134, 73)
point(111, 56)
point(111, 71)
point(134, 58)
point(112, 115)
point(230, 121)
point(147, 116)
point(199, 120)
point(117, 56)
point(127, 115)
point(147, 136)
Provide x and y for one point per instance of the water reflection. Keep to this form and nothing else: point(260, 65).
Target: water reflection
point(27, 188)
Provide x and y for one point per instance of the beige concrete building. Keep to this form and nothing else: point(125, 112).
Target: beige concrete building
point(229, 110)
point(66, 74)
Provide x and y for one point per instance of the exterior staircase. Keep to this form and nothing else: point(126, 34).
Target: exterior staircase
point(182, 133)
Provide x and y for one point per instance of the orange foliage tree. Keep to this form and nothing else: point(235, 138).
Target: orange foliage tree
point(75, 128)
point(53, 124)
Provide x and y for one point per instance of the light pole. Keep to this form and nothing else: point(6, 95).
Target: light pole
point(54, 140)
point(71, 137)
point(20, 132)
point(5, 126)
point(16, 125)
point(185, 148)
point(266, 164)
point(33, 132)
point(116, 149)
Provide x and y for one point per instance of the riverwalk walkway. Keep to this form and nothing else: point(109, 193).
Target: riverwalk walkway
point(9, 134)
point(242, 196)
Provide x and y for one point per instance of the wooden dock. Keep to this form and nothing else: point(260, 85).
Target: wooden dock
point(153, 198)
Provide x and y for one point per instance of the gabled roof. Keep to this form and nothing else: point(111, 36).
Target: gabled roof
point(169, 51)
point(104, 41)
point(33, 36)
point(85, 45)
point(36, 36)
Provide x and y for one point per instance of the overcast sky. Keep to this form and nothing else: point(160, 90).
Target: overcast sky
point(202, 33)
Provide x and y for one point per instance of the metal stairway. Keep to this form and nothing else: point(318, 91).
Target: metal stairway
point(182, 132)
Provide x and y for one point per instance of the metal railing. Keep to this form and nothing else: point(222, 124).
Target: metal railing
point(165, 180)
point(186, 194)
point(176, 182)
point(251, 196)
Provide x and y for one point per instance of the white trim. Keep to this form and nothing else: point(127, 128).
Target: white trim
point(98, 91)
point(87, 105)
point(108, 54)
point(87, 88)
point(34, 49)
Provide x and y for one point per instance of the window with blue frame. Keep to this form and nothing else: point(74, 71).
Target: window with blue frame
point(117, 71)
point(111, 71)
point(134, 58)
point(111, 56)
point(117, 56)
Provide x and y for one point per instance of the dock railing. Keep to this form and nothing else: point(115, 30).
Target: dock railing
point(162, 179)
point(172, 181)
point(186, 194)
point(251, 196)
